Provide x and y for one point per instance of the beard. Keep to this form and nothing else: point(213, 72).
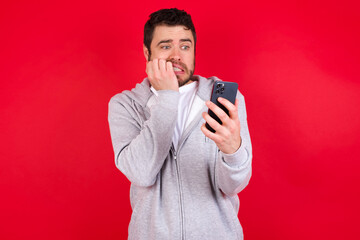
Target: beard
point(186, 80)
point(183, 79)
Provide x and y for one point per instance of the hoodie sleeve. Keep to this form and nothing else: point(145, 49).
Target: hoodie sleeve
point(140, 151)
point(234, 170)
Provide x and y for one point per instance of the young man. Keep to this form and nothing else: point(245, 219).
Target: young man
point(184, 178)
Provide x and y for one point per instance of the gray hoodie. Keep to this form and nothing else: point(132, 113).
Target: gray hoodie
point(190, 193)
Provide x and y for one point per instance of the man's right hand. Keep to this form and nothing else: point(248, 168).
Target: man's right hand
point(161, 75)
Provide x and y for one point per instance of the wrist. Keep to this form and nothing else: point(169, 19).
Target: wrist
point(233, 148)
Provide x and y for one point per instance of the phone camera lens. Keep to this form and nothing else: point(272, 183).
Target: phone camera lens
point(222, 89)
point(217, 91)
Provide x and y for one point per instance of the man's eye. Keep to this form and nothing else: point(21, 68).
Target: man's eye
point(185, 47)
point(165, 47)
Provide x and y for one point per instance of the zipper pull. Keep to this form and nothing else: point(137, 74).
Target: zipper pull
point(172, 149)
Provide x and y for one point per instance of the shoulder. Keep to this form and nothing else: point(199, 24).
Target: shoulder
point(122, 97)
point(139, 94)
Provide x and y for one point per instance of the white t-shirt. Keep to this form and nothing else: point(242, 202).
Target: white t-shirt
point(187, 95)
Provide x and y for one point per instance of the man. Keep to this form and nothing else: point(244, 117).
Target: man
point(184, 178)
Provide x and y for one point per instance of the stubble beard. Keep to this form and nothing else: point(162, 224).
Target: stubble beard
point(185, 81)
point(188, 72)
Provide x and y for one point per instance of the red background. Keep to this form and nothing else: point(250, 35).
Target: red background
point(297, 63)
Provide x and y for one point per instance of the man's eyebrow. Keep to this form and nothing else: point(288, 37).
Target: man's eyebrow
point(186, 40)
point(164, 41)
point(170, 40)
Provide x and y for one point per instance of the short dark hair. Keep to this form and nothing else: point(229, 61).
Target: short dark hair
point(170, 17)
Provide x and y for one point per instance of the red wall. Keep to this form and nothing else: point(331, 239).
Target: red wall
point(296, 63)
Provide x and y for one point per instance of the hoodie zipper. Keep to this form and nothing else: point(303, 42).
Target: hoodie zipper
point(182, 234)
point(182, 139)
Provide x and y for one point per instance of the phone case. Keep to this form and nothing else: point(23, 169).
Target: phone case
point(222, 89)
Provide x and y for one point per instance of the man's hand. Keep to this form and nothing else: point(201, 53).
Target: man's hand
point(161, 75)
point(226, 136)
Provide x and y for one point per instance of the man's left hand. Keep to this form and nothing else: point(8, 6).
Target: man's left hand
point(227, 135)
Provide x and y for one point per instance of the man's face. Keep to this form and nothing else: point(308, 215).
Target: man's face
point(175, 44)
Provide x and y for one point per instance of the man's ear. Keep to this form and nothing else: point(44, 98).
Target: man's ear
point(146, 52)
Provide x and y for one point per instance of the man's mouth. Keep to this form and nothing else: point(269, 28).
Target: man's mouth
point(177, 68)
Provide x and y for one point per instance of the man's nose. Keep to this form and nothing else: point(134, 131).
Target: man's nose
point(175, 54)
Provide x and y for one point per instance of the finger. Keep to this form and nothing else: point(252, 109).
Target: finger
point(162, 65)
point(210, 134)
point(212, 122)
point(155, 67)
point(218, 111)
point(169, 67)
point(233, 113)
point(149, 71)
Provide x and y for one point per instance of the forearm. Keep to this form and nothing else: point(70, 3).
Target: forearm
point(140, 151)
point(234, 170)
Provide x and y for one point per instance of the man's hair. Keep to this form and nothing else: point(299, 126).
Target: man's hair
point(170, 17)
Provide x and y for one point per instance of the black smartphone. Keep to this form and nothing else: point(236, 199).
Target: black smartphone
point(222, 89)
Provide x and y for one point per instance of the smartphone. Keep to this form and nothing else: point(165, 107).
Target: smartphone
point(222, 89)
